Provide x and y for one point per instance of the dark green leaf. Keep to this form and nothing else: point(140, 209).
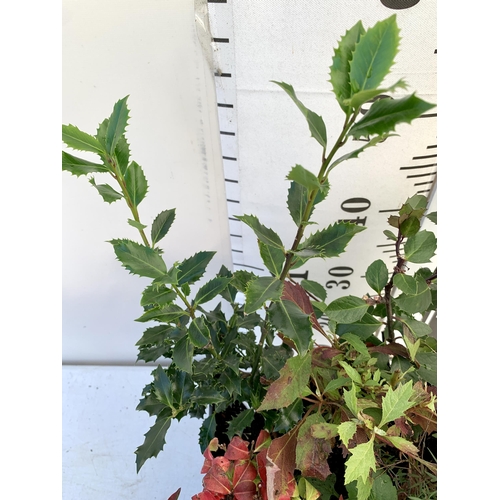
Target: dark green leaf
point(332, 241)
point(377, 275)
point(155, 439)
point(231, 381)
point(182, 355)
point(241, 279)
point(297, 202)
point(348, 309)
point(418, 302)
point(198, 332)
point(163, 387)
point(428, 367)
point(385, 114)
point(157, 294)
point(264, 234)
point(139, 259)
point(433, 217)
point(315, 122)
point(374, 55)
point(81, 141)
point(303, 177)
point(109, 195)
point(157, 335)
point(136, 183)
point(193, 268)
point(273, 258)
point(122, 153)
point(79, 166)
point(211, 289)
point(207, 432)
point(116, 124)
point(418, 328)
point(239, 423)
point(207, 396)
point(339, 71)
point(420, 248)
point(410, 226)
point(261, 290)
point(383, 489)
point(292, 322)
point(161, 225)
point(273, 360)
point(165, 314)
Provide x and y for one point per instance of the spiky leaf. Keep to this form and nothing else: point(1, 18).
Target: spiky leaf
point(193, 268)
point(139, 259)
point(109, 195)
point(161, 225)
point(273, 258)
point(303, 177)
point(81, 141)
point(79, 166)
point(136, 183)
point(396, 402)
point(264, 234)
point(261, 290)
point(116, 125)
point(360, 463)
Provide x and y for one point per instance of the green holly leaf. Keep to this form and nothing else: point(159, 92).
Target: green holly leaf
point(331, 241)
point(157, 294)
point(396, 402)
point(79, 166)
point(166, 314)
point(316, 124)
point(109, 195)
point(81, 141)
point(136, 224)
point(193, 268)
point(264, 234)
point(207, 432)
point(303, 177)
point(374, 55)
point(139, 259)
point(182, 355)
point(161, 225)
point(261, 290)
point(339, 70)
point(116, 125)
point(211, 289)
point(292, 322)
point(273, 258)
point(385, 114)
point(239, 423)
point(136, 183)
point(163, 387)
point(155, 439)
point(362, 328)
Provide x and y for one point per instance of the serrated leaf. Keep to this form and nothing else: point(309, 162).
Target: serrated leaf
point(264, 234)
point(385, 114)
point(377, 275)
point(136, 183)
point(163, 387)
point(303, 177)
point(348, 309)
point(79, 166)
point(155, 439)
point(260, 290)
point(332, 241)
point(403, 444)
point(292, 322)
point(139, 259)
point(116, 124)
point(360, 463)
point(193, 268)
point(346, 431)
point(374, 55)
point(207, 396)
point(297, 202)
point(420, 248)
point(161, 225)
point(198, 332)
point(364, 96)
point(165, 314)
point(352, 373)
point(157, 294)
point(356, 343)
point(339, 70)
point(81, 141)
point(273, 258)
point(239, 423)
point(293, 380)
point(363, 328)
point(407, 284)
point(109, 195)
point(211, 289)
point(316, 124)
point(350, 399)
point(207, 432)
point(396, 402)
point(182, 355)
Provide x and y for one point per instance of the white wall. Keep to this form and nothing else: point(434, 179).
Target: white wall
point(151, 51)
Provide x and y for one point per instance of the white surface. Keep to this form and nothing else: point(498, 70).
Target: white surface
point(151, 51)
point(102, 430)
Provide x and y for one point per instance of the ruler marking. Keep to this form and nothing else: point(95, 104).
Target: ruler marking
point(424, 157)
point(386, 245)
point(419, 166)
point(233, 218)
point(216, 1)
point(236, 235)
point(223, 75)
point(231, 201)
point(390, 210)
point(222, 105)
point(220, 40)
point(428, 115)
point(432, 146)
point(224, 132)
point(423, 183)
point(229, 158)
point(420, 175)
point(239, 251)
point(231, 180)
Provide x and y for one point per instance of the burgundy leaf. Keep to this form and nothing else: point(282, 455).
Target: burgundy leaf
point(261, 465)
point(216, 480)
point(263, 441)
point(295, 293)
point(237, 449)
point(244, 487)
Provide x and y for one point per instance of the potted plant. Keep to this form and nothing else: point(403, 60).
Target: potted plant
point(284, 416)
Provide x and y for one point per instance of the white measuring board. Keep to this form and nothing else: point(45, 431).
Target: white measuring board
point(263, 134)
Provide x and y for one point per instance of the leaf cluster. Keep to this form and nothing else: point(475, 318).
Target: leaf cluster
point(368, 395)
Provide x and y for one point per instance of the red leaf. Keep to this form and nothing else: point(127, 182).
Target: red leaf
point(244, 487)
point(263, 440)
point(208, 461)
point(391, 349)
point(237, 449)
point(216, 480)
point(261, 464)
point(175, 496)
point(207, 495)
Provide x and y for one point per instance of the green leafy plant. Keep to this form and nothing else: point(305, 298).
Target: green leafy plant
point(284, 416)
